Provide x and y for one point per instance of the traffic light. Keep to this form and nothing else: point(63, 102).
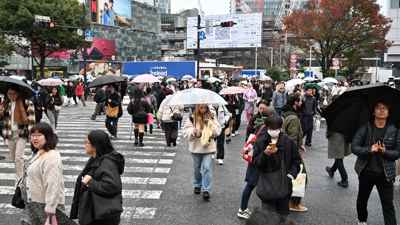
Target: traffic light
point(228, 24)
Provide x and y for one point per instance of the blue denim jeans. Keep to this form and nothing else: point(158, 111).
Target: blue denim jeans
point(202, 176)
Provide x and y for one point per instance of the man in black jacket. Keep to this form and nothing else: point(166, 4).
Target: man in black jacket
point(307, 115)
point(377, 146)
point(100, 99)
point(273, 151)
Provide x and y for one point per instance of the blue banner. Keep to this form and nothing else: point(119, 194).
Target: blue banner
point(161, 68)
point(251, 73)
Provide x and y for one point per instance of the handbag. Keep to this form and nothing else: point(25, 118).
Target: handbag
point(299, 184)
point(150, 118)
point(273, 185)
point(112, 111)
point(106, 206)
point(17, 200)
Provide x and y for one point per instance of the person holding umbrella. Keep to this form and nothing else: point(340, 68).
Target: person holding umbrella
point(18, 114)
point(200, 129)
point(377, 146)
point(53, 107)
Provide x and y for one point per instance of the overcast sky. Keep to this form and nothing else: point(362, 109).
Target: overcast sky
point(210, 7)
point(215, 7)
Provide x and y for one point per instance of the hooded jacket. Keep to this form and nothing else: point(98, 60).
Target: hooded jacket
point(106, 181)
point(292, 126)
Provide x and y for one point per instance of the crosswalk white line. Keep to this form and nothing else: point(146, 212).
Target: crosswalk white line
point(128, 213)
point(117, 146)
point(126, 193)
point(125, 180)
point(4, 150)
point(128, 169)
point(127, 160)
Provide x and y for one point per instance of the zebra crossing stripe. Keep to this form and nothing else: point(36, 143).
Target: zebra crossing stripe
point(128, 213)
point(4, 150)
point(126, 194)
point(127, 160)
point(117, 146)
point(128, 169)
point(125, 180)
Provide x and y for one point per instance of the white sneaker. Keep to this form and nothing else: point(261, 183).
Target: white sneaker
point(244, 214)
point(362, 223)
point(220, 162)
point(237, 133)
point(233, 134)
point(213, 156)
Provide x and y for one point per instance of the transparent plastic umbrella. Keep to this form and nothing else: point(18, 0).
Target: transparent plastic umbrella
point(196, 96)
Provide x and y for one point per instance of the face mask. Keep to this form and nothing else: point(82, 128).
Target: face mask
point(274, 133)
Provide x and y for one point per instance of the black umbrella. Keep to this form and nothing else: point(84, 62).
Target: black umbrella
point(354, 108)
point(23, 88)
point(106, 80)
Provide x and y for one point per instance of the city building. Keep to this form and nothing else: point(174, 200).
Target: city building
point(173, 34)
point(164, 6)
point(392, 56)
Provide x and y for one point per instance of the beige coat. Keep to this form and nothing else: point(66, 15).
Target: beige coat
point(166, 112)
point(45, 180)
point(194, 143)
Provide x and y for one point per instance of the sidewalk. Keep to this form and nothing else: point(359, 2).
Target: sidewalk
point(328, 204)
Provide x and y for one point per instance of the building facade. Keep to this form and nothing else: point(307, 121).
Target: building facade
point(164, 6)
point(393, 53)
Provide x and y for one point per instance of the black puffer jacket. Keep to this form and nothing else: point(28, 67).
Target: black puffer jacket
point(106, 181)
point(361, 146)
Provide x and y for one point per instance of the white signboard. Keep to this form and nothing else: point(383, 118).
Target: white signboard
point(246, 33)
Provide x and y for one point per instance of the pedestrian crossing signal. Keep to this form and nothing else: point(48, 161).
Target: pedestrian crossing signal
point(228, 24)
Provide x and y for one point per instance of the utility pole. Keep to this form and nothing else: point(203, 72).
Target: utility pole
point(198, 46)
point(256, 62)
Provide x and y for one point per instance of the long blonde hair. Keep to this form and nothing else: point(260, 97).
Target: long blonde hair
point(201, 118)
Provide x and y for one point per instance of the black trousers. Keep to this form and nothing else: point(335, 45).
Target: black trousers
point(221, 145)
point(108, 221)
point(238, 120)
point(367, 181)
point(339, 165)
point(308, 126)
point(111, 125)
point(171, 132)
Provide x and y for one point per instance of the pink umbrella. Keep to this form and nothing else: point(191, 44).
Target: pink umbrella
point(232, 90)
point(145, 78)
point(50, 82)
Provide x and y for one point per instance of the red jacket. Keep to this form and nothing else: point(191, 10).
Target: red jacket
point(79, 90)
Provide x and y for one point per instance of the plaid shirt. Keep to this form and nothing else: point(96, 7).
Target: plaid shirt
point(24, 129)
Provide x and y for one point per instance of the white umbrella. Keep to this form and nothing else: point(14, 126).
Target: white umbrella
point(265, 78)
point(213, 80)
point(330, 80)
point(18, 77)
point(187, 77)
point(196, 96)
point(145, 78)
point(294, 82)
point(171, 79)
point(50, 82)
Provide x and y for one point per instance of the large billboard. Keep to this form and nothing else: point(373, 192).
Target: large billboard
point(111, 12)
point(161, 68)
point(246, 33)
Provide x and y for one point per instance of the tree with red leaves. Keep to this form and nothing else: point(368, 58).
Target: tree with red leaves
point(339, 29)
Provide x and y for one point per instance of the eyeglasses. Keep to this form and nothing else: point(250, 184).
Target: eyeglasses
point(36, 135)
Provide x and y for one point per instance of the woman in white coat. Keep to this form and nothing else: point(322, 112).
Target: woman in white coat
point(200, 129)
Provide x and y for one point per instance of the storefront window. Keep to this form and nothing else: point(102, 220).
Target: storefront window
point(394, 4)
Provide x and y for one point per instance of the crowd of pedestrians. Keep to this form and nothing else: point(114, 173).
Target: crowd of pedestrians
point(279, 125)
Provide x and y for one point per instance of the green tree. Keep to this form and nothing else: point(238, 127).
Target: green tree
point(339, 28)
point(17, 20)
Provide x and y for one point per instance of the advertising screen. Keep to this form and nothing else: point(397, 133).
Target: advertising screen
point(246, 33)
point(161, 68)
point(113, 12)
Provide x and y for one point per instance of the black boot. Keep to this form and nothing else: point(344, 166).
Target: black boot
point(151, 128)
point(141, 135)
point(136, 131)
